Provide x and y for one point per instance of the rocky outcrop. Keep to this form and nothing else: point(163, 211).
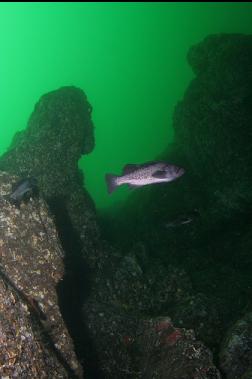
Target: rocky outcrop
point(59, 132)
point(35, 342)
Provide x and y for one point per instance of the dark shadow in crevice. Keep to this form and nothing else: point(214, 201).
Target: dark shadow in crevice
point(74, 289)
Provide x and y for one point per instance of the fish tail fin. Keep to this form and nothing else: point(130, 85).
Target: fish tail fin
point(111, 182)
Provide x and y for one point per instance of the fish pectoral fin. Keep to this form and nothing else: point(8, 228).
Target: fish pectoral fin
point(160, 174)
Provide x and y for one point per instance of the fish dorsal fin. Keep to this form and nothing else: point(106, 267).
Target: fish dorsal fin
point(133, 167)
point(130, 168)
point(160, 174)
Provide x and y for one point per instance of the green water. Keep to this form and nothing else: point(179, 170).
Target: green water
point(130, 59)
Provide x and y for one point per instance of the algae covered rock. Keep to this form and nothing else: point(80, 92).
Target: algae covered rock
point(60, 130)
point(34, 340)
point(213, 121)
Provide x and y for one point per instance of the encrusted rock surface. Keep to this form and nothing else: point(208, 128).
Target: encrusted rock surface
point(33, 337)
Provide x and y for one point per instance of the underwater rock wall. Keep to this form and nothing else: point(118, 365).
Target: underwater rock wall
point(201, 223)
point(147, 274)
point(34, 340)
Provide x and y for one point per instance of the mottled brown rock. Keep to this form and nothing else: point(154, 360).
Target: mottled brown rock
point(34, 340)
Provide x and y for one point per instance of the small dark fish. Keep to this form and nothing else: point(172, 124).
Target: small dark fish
point(178, 222)
point(183, 219)
point(138, 175)
point(23, 190)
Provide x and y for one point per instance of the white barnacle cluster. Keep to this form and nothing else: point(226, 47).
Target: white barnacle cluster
point(5, 188)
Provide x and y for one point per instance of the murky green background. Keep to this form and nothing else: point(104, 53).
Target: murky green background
point(130, 59)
